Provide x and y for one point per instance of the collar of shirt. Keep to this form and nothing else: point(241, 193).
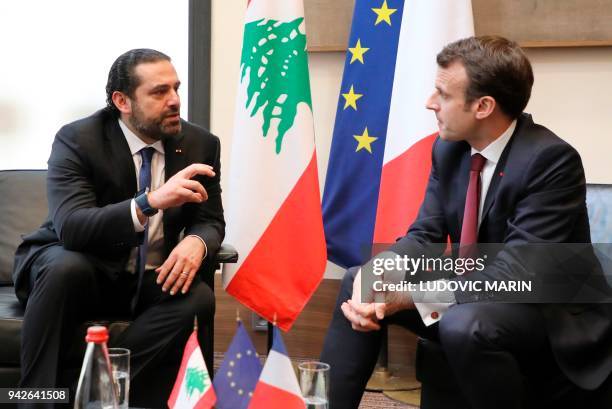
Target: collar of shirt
point(135, 143)
point(494, 150)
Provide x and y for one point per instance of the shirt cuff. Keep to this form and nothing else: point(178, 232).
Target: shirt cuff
point(431, 312)
point(137, 226)
point(432, 305)
point(202, 240)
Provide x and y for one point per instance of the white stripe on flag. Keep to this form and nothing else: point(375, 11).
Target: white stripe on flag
point(196, 360)
point(274, 9)
point(255, 195)
point(278, 372)
point(427, 26)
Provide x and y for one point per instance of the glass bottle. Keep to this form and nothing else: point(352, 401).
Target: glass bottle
point(96, 387)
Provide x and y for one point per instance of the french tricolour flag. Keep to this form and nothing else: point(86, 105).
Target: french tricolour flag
point(278, 387)
point(381, 149)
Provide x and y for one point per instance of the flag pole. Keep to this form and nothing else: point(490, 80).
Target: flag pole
point(271, 326)
point(270, 332)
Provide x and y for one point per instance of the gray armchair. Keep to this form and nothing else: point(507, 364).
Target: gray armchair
point(23, 206)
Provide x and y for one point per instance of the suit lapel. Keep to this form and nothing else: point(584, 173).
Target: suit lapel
point(498, 174)
point(174, 155)
point(121, 157)
point(462, 184)
point(491, 193)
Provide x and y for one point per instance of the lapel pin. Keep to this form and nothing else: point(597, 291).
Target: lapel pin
point(501, 174)
point(178, 151)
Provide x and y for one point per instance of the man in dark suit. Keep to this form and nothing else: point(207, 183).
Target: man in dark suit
point(496, 177)
point(134, 215)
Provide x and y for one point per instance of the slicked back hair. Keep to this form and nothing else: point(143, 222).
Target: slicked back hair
point(121, 76)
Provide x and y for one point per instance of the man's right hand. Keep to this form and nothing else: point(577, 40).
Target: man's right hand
point(362, 316)
point(180, 189)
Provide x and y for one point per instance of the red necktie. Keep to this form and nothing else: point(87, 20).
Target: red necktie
point(469, 228)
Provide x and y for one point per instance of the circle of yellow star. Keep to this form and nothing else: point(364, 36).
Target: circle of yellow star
point(358, 51)
point(365, 141)
point(383, 13)
point(351, 99)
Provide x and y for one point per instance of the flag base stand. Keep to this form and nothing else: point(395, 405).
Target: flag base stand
point(412, 397)
point(383, 380)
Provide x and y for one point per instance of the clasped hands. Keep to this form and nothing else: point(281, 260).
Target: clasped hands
point(178, 271)
point(364, 315)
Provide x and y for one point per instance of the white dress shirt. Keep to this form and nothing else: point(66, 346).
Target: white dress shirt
point(429, 306)
point(158, 172)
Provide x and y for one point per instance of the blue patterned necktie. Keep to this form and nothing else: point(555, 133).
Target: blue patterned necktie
point(144, 182)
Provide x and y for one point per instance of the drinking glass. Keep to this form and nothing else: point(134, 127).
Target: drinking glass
point(120, 366)
point(314, 383)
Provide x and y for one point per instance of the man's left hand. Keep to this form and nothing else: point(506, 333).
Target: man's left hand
point(365, 316)
point(181, 266)
point(394, 301)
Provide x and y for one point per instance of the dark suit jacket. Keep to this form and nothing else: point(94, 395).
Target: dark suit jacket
point(90, 183)
point(537, 195)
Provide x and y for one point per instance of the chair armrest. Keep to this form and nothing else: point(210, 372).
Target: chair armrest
point(226, 254)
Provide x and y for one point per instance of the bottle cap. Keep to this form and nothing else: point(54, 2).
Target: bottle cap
point(97, 334)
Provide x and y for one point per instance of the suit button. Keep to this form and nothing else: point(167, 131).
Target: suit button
point(435, 315)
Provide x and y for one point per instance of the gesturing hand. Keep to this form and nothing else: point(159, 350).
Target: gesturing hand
point(180, 189)
point(181, 266)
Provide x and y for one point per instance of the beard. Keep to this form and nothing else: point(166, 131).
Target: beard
point(157, 128)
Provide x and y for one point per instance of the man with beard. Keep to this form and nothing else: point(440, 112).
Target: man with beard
point(134, 214)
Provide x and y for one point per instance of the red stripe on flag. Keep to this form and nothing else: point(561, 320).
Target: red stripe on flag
point(402, 189)
point(287, 263)
point(207, 400)
point(192, 344)
point(270, 397)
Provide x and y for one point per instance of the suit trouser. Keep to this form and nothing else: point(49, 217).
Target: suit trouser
point(68, 289)
point(496, 352)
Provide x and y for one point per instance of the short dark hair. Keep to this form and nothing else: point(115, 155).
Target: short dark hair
point(121, 75)
point(496, 67)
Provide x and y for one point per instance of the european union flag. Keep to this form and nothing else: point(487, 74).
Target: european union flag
point(235, 380)
point(353, 176)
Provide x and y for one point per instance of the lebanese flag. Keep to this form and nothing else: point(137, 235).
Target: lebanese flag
point(274, 206)
point(193, 387)
point(277, 387)
point(427, 26)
